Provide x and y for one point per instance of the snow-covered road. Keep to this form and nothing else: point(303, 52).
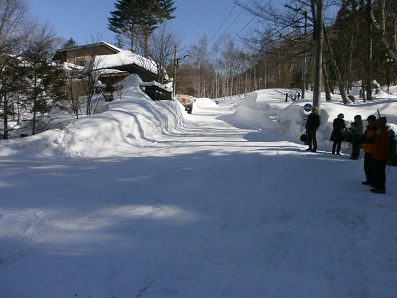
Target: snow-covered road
point(214, 208)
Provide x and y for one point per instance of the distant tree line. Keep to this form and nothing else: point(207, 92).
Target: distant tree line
point(360, 44)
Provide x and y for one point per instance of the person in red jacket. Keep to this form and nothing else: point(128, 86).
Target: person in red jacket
point(380, 156)
point(368, 141)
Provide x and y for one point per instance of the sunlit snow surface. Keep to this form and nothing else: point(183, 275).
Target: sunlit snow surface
point(145, 200)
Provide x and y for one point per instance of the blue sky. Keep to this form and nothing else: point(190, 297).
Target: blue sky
point(86, 20)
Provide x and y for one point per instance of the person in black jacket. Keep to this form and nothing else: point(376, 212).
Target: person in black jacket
point(312, 124)
point(337, 133)
point(356, 129)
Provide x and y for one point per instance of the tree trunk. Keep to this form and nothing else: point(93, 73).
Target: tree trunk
point(146, 50)
point(395, 33)
point(383, 15)
point(34, 106)
point(319, 35)
point(5, 116)
point(326, 83)
point(132, 36)
point(392, 51)
point(336, 69)
point(369, 51)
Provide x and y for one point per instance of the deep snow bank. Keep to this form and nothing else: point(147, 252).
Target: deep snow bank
point(136, 121)
point(260, 109)
point(128, 121)
point(204, 103)
point(266, 109)
point(131, 121)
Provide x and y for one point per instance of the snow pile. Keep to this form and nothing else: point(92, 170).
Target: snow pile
point(260, 108)
point(127, 123)
point(132, 119)
point(205, 103)
point(267, 110)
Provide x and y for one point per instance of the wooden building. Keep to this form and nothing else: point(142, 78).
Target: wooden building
point(81, 54)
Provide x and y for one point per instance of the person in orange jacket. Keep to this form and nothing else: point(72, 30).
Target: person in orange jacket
point(368, 141)
point(380, 156)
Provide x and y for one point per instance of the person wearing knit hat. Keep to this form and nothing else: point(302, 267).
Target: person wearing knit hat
point(380, 156)
point(381, 122)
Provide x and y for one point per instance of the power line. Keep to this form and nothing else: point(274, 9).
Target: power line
point(237, 34)
point(223, 23)
point(235, 19)
point(231, 24)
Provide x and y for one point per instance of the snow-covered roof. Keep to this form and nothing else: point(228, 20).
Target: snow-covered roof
point(124, 58)
point(108, 45)
point(111, 46)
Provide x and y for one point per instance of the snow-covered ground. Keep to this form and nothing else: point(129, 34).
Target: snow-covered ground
point(145, 200)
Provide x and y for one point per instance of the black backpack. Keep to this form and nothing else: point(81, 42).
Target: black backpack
point(392, 149)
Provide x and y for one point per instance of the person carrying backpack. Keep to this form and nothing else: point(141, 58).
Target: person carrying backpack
point(312, 124)
point(380, 156)
point(393, 150)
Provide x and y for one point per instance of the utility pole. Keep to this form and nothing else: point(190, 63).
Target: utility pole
point(174, 80)
point(303, 10)
point(369, 51)
point(176, 64)
point(318, 30)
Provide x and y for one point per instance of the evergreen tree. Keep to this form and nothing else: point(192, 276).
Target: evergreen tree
point(124, 20)
point(139, 18)
point(70, 43)
point(168, 8)
point(44, 81)
point(11, 83)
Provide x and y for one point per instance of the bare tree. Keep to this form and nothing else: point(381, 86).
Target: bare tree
point(16, 25)
point(199, 58)
point(72, 101)
point(164, 45)
point(89, 79)
point(281, 40)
